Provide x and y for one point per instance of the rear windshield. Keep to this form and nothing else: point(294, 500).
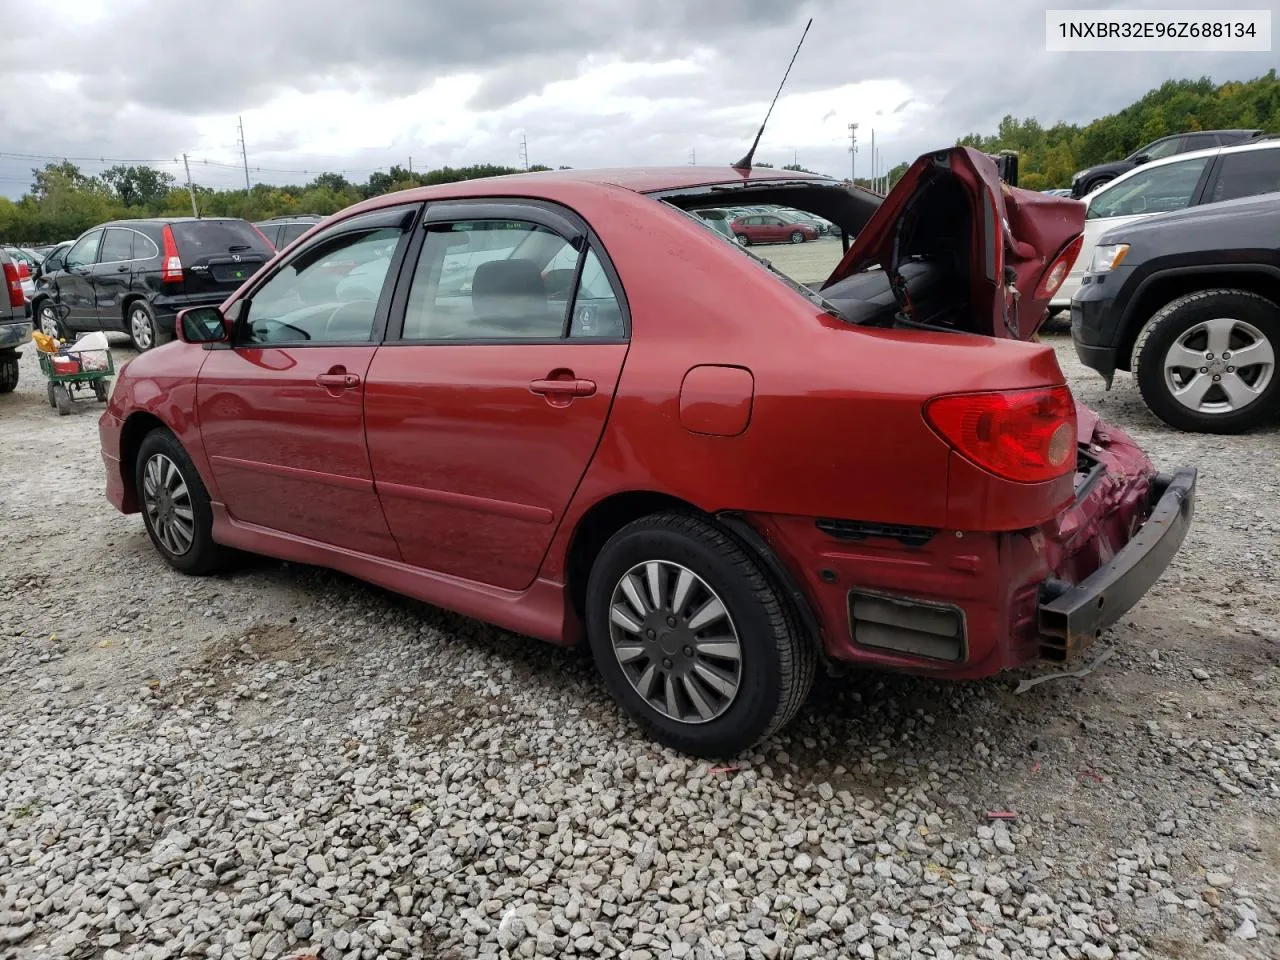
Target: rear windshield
point(211, 238)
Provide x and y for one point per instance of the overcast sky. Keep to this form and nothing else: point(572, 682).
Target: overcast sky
point(329, 85)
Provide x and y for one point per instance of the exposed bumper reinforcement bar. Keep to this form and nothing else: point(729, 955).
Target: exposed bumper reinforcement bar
point(1071, 617)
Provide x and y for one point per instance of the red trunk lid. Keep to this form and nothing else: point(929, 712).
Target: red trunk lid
point(1019, 229)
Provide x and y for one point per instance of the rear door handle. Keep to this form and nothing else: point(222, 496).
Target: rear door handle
point(563, 388)
point(338, 381)
point(123, 268)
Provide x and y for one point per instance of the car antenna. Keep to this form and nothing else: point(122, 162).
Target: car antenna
point(745, 162)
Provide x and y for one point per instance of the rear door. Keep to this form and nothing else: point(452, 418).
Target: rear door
point(218, 256)
point(74, 285)
point(486, 403)
point(1245, 173)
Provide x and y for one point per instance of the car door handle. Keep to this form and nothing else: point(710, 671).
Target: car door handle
point(563, 388)
point(338, 381)
point(123, 268)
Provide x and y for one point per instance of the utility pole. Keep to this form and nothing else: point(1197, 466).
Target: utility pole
point(244, 155)
point(853, 153)
point(524, 149)
point(693, 156)
point(411, 164)
point(190, 187)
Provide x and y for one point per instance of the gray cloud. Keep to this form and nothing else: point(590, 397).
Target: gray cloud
point(966, 65)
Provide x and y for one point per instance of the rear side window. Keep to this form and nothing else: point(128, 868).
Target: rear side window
point(1247, 174)
point(211, 238)
point(117, 246)
point(272, 232)
point(291, 232)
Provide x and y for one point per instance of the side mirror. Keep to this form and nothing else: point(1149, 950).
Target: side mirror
point(201, 325)
point(1141, 159)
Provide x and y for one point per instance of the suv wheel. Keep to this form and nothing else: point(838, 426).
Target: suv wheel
point(175, 505)
point(8, 371)
point(692, 639)
point(143, 328)
point(1207, 361)
point(1094, 184)
point(48, 322)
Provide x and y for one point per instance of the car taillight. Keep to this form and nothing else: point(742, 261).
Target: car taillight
point(24, 269)
point(1057, 271)
point(13, 281)
point(171, 268)
point(1024, 435)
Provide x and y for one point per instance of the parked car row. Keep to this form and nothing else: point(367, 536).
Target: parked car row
point(768, 223)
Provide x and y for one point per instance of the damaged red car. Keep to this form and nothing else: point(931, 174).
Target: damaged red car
point(561, 403)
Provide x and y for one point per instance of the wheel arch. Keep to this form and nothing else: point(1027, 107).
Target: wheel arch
point(606, 517)
point(136, 428)
point(1168, 285)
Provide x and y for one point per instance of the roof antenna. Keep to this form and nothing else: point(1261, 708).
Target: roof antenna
point(745, 162)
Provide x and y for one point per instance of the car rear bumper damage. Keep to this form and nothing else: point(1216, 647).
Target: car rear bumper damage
point(965, 605)
point(14, 334)
point(1071, 617)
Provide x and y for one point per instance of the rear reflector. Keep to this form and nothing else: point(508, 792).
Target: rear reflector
point(1059, 269)
point(13, 281)
point(171, 267)
point(1028, 436)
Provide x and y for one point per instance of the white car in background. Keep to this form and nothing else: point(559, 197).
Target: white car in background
point(1173, 183)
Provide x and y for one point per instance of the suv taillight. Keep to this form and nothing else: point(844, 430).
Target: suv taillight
point(13, 281)
point(24, 270)
point(1058, 270)
point(1028, 436)
point(171, 268)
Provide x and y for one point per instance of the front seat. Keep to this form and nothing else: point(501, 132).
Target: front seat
point(511, 295)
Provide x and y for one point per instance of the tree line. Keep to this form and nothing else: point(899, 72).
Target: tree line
point(64, 201)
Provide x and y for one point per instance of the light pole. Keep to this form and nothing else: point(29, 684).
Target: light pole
point(853, 153)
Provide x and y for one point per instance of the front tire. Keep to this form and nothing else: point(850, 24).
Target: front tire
point(797, 237)
point(692, 639)
point(1206, 362)
point(175, 505)
point(144, 330)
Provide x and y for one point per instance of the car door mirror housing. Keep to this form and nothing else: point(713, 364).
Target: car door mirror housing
point(201, 325)
point(1141, 159)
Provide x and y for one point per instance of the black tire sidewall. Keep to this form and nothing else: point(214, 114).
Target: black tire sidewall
point(158, 336)
point(1253, 310)
point(204, 553)
point(60, 332)
point(9, 371)
point(797, 237)
point(756, 703)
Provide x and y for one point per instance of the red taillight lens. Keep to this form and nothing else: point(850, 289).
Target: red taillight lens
point(171, 268)
point(1058, 270)
point(13, 281)
point(24, 270)
point(1024, 435)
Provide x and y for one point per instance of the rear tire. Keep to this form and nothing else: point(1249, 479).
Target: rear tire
point(1173, 366)
point(175, 505)
point(8, 371)
point(144, 330)
point(1094, 184)
point(684, 654)
point(47, 321)
point(743, 240)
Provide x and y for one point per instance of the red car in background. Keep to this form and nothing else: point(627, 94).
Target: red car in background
point(772, 228)
point(519, 406)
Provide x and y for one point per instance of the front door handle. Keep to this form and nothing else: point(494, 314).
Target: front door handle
point(563, 388)
point(338, 381)
point(123, 268)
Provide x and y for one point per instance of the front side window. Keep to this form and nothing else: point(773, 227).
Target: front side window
point(85, 250)
point(1161, 149)
point(328, 293)
point(1155, 190)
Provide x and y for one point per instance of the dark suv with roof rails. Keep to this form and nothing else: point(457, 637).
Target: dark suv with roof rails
point(135, 275)
point(282, 231)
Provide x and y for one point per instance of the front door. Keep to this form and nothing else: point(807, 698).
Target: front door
point(75, 283)
point(486, 403)
point(282, 411)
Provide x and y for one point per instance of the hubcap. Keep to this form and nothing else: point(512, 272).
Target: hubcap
point(675, 641)
point(168, 504)
point(140, 326)
point(48, 321)
point(1219, 366)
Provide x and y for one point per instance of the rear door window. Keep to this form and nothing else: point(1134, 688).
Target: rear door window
point(1247, 174)
point(117, 246)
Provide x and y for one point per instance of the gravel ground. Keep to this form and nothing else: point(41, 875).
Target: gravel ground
point(282, 761)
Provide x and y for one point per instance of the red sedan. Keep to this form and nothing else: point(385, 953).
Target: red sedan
point(561, 403)
point(772, 228)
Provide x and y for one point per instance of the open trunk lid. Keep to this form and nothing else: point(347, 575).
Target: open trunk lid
point(218, 255)
point(1022, 242)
